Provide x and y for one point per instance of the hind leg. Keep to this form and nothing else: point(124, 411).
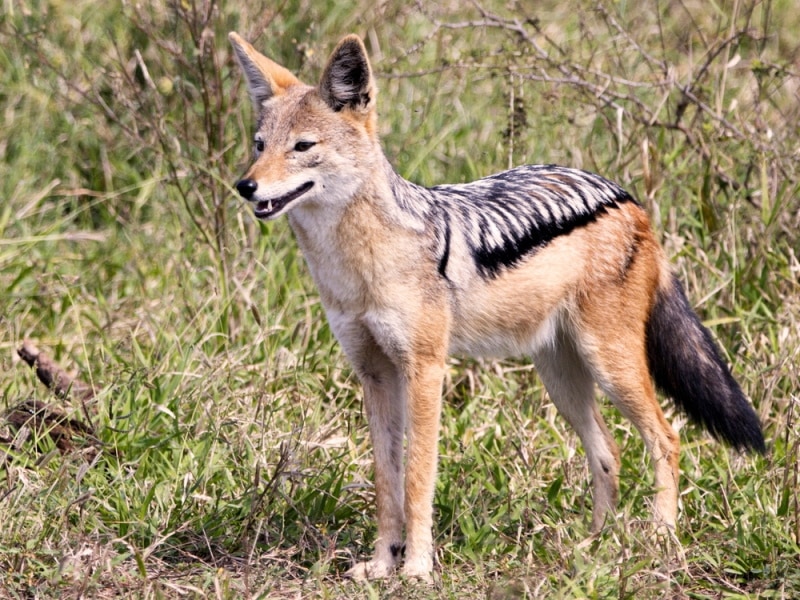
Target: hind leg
point(619, 364)
point(571, 388)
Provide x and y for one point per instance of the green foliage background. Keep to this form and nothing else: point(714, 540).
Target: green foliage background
point(235, 460)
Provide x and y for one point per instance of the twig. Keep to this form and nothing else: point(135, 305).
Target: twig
point(46, 420)
point(53, 376)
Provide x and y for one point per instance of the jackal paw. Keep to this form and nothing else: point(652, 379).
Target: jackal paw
point(420, 568)
point(373, 569)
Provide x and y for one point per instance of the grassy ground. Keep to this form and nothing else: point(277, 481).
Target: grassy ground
point(234, 458)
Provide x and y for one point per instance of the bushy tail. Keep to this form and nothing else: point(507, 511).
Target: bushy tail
point(686, 365)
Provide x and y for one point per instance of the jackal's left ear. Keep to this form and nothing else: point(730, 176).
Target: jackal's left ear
point(347, 81)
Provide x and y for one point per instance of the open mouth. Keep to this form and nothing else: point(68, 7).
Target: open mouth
point(264, 209)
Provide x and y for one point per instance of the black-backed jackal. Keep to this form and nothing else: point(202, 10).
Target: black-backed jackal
point(543, 261)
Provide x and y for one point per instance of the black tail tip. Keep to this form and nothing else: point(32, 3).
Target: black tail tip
point(756, 445)
point(745, 434)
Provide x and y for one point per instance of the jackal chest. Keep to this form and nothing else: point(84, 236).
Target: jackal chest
point(359, 269)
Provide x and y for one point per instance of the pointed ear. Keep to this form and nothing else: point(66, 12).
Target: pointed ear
point(347, 81)
point(265, 78)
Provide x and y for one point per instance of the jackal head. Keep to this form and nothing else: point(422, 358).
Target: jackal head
point(313, 145)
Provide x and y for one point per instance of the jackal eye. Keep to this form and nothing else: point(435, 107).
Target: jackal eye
point(259, 145)
point(303, 146)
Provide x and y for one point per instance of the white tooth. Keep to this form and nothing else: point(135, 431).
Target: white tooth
point(269, 206)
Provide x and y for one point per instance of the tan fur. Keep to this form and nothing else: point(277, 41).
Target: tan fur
point(578, 305)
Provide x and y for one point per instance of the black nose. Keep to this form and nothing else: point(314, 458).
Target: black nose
point(246, 188)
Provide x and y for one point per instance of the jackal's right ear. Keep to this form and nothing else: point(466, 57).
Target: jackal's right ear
point(347, 81)
point(265, 78)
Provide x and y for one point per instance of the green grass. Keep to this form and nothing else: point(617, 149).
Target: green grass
point(235, 459)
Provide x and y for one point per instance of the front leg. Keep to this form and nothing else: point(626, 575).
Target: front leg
point(384, 403)
point(385, 407)
point(424, 411)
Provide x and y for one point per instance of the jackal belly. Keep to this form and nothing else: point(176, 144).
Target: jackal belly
point(519, 311)
point(489, 338)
